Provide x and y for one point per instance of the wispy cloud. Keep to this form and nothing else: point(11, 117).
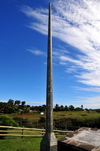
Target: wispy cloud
point(87, 102)
point(76, 23)
point(93, 102)
point(38, 18)
point(36, 52)
point(91, 89)
point(36, 102)
point(4, 101)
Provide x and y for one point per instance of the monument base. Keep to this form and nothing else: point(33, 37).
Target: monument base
point(84, 139)
point(49, 142)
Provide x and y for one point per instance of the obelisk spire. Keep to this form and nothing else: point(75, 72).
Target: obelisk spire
point(49, 142)
point(49, 93)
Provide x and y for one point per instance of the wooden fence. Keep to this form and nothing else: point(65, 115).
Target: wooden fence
point(27, 132)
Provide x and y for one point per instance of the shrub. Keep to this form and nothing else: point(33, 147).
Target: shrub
point(24, 121)
point(6, 121)
point(75, 123)
point(42, 120)
point(19, 120)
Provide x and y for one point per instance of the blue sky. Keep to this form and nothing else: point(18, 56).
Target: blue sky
point(76, 51)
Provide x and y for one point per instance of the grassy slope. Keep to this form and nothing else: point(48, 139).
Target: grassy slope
point(75, 114)
point(57, 115)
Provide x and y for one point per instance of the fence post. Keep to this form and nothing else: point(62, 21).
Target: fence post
point(22, 132)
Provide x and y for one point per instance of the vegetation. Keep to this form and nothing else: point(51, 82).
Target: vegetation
point(65, 117)
point(17, 106)
point(17, 144)
point(17, 113)
point(64, 120)
point(7, 121)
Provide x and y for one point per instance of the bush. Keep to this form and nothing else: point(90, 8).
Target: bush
point(42, 120)
point(19, 120)
point(6, 121)
point(75, 123)
point(24, 122)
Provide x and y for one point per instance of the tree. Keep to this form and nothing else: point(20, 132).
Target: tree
point(43, 107)
point(71, 107)
point(11, 102)
point(17, 102)
point(2, 106)
point(82, 107)
point(56, 107)
point(78, 109)
point(23, 103)
point(62, 108)
point(66, 108)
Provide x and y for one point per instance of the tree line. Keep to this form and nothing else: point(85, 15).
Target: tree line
point(67, 108)
point(17, 106)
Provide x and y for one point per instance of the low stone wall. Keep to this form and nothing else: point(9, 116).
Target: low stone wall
point(84, 139)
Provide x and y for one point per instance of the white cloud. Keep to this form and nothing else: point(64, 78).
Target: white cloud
point(76, 23)
point(36, 52)
point(91, 102)
point(36, 102)
point(62, 63)
point(91, 89)
point(4, 101)
point(87, 102)
point(38, 18)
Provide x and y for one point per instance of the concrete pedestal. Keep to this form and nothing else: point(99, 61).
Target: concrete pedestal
point(49, 142)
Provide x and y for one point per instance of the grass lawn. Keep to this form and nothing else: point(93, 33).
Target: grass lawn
point(17, 144)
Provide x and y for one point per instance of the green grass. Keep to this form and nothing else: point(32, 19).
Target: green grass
point(18, 144)
point(33, 144)
point(76, 114)
point(58, 115)
point(15, 143)
point(83, 117)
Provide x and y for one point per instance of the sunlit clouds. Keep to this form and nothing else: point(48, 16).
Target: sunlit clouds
point(77, 24)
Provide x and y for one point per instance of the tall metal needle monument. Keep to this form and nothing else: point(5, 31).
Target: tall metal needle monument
point(49, 142)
